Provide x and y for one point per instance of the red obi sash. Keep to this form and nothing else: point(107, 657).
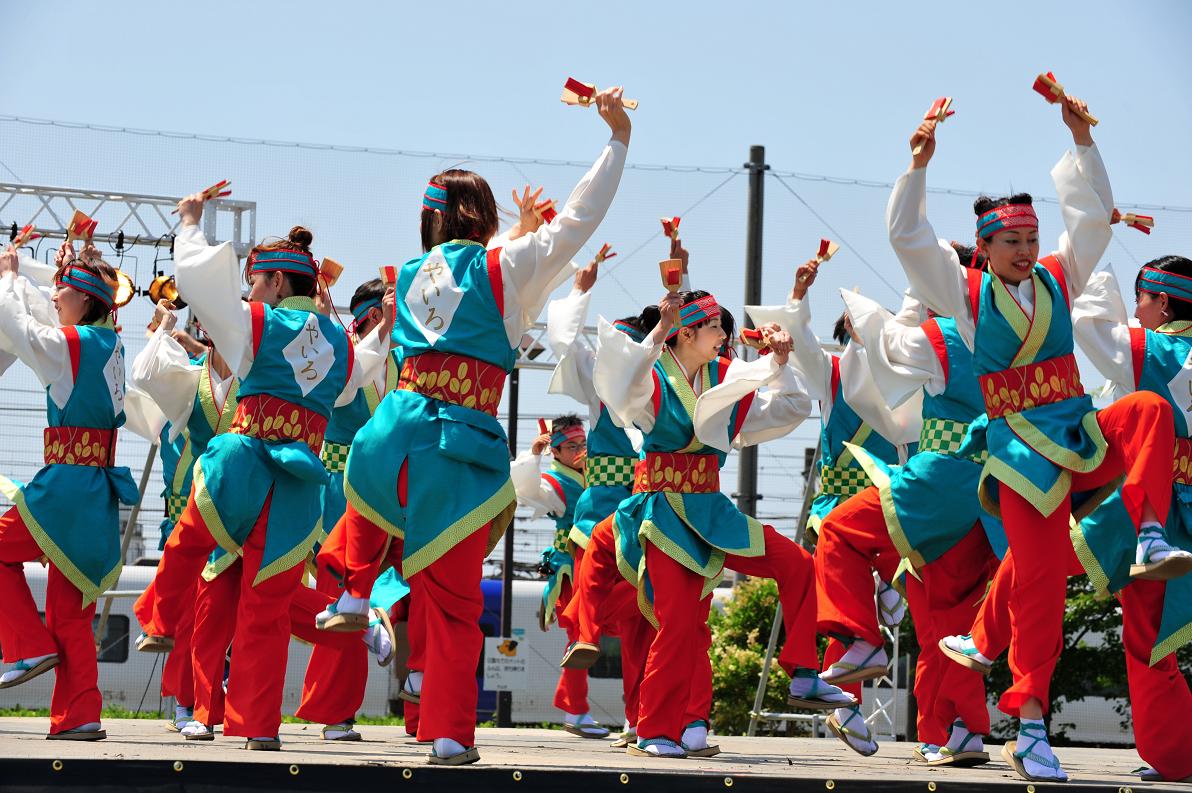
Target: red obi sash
point(79, 446)
point(271, 418)
point(456, 379)
point(1181, 469)
point(1030, 386)
point(664, 472)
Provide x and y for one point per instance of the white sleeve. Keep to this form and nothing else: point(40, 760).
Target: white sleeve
point(164, 372)
point(931, 264)
point(901, 358)
point(622, 377)
point(209, 279)
point(572, 376)
point(142, 416)
point(532, 490)
point(774, 412)
point(807, 355)
point(370, 353)
point(42, 347)
point(901, 425)
point(531, 264)
point(1086, 203)
point(37, 272)
point(1100, 323)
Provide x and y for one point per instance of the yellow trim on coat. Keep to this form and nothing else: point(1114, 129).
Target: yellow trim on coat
point(486, 512)
point(60, 560)
point(1046, 502)
point(881, 480)
point(757, 540)
point(1088, 560)
point(367, 512)
point(1033, 437)
point(293, 558)
point(1172, 643)
point(210, 513)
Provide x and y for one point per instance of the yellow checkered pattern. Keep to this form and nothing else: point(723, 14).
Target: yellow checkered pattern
point(335, 456)
point(844, 482)
point(604, 469)
point(945, 436)
point(175, 505)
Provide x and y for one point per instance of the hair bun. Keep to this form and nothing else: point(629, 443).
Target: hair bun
point(301, 236)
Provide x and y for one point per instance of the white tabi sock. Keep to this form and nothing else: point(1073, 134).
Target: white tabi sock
point(1047, 766)
point(695, 737)
point(445, 747)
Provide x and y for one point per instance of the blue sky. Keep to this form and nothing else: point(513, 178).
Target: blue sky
point(828, 88)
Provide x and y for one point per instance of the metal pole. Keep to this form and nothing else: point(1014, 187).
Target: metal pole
point(125, 541)
point(505, 698)
point(747, 497)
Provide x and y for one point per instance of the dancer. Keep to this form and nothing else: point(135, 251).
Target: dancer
point(678, 531)
point(294, 366)
point(81, 363)
point(462, 311)
point(1044, 439)
point(197, 394)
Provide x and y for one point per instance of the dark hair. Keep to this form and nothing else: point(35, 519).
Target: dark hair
point(688, 297)
point(1177, 265)
point(728, 324)
point(565, 421)
point(298, 239)
point(967, 254)
point(96, 311)
point(986, 203)
point(369, 290)
point(839, 331)
point(648, 319)
point(471, 212)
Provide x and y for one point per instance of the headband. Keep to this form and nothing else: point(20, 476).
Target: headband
point(1156, 281)
point(696, 311)
point(360, 312)
point(629, 330)
point(89, 283)
point(575, 432)
point(1011, 216)
point(285, 260)
point(435, 197)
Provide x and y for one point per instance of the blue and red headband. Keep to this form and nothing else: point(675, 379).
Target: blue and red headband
point(572, 433)
point(695, 312)
point(1157, 281)
point(360, 312)
point(1011, 216)
point(435, 197)
point(89, 283)
point(286, 260)
point(629, 330)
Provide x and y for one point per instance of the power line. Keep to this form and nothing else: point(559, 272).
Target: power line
point(837, 235)
point(800, 175)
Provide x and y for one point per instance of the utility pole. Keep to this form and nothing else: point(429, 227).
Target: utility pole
point(505, 698)
point(747, 497)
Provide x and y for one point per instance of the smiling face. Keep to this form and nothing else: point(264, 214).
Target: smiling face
point(705, 341)
point(1012, 253)
point(71, 305)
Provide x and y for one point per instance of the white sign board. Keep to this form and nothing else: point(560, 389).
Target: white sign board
point(505, 662)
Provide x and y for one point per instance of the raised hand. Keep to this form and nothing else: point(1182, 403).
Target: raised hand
point(677, 251)
point(388, 310)
point(804, 278)
point(540, 444)
point(528, 220)
point(65, 254)
point(190, 209)
point(925, 135)
point(585, 278)
point(164, 316)
point(608, 102)
point(780, 343)
point(1082, 131)
point(9, 261)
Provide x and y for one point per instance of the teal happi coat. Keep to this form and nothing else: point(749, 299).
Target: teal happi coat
point(568, 484)
point(609, 476)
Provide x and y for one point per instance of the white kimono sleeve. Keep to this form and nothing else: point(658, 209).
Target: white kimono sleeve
point(532, 490)
point(532, 264)
point(1100, 324)
point(209, 277)
point(901, 425)
point(932, 266)
point(806, 355)
point(775, 412)
point(23, 334)
point(901, 358)
point(142, 416)
point(622, 377)
point(164, 372)
point(371, 354)
point(1086, 203)
point(572, 376)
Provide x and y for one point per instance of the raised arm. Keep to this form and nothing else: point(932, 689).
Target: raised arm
point(163, 371)
point(795, 318)
point(1100, 324)
point(932, 266)
point(24, 333)
point(531, 264)
point(564, 333)
point(1086, 202)
point(209, 277)
point(531, 487)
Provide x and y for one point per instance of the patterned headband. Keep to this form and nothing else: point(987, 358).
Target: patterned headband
point(1011, 216)
point(695, 312)
point(629, 330)
point(435, 197)
point(89, 283)
point(572, 433)
point(284, 260)
point(1158, 281)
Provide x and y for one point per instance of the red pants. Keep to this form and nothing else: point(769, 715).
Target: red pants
point(602, 601)
point(67, 629)
point(852, 539)
point(214, 626)
point(667, 687)
point(337, 674)
point(991, 629)
point(1138, 429)
point(571, 693)
point(177, 676)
